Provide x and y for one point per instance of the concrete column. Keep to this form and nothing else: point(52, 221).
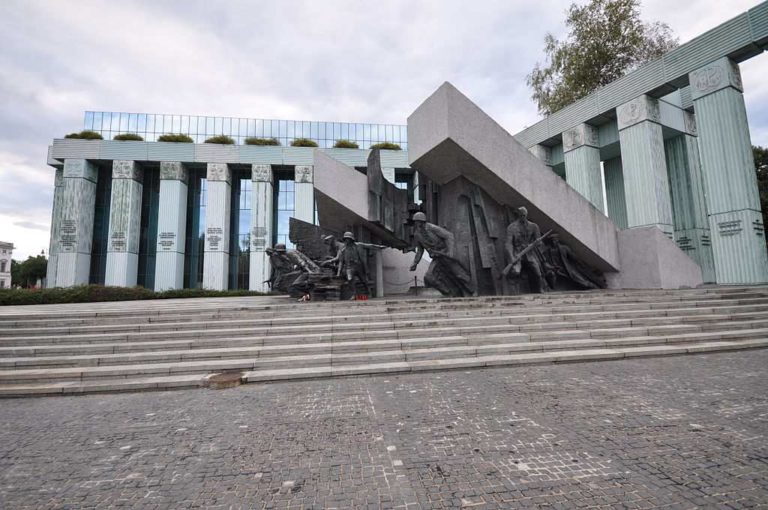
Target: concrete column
point(379, 258)
point(646, 183)
point(732, 199)
point(124, 224)
point(53, 246)
point(582, 163)
point(75, 223)
point(171, 226)
point(544, 153)
point(388, 174)
point(614, 191)
point(217, 209)
point(261, 226)
point(689, 208)
point(304, 198)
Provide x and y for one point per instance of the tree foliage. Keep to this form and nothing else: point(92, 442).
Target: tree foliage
point(85, 135)
point(26, 274)
point(221, 140)
point(303, 142)
point(128, 137)
point(606, 40)
point(386, 146)
point(345, 144)
point(761, 168)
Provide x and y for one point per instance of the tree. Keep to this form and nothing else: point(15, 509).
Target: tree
point(606, 40)
point(761, 168)
point(26, 274)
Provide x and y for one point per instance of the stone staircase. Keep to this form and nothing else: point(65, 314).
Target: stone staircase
point(74, 349)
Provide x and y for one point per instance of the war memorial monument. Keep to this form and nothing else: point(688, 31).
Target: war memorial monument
point(669, 143)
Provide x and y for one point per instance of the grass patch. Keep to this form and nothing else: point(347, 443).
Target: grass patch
point(254, 140)
point(386, 146)
point(125, 137)
point(345, 144)
point(221, 140)
point(175, 137)
point(85, 135)
point(303, 142)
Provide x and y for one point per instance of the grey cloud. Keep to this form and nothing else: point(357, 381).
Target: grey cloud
point(32, 226)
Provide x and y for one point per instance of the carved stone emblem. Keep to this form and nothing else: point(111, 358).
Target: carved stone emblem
point(126, 170)
point(304, 174)
point(218, 172)
point(261, 173)
point(173, 171)
point(718, 75)
point(639, 109)
point(80, 168)
point(583, 134)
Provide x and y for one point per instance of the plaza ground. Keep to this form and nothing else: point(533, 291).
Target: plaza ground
point(676, 432)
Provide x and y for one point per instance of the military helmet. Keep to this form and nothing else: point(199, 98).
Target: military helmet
point(420, 216)
point(327, 238)
point(280, 247)
point(348, 235)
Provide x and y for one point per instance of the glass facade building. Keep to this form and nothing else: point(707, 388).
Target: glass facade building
point(150, 126)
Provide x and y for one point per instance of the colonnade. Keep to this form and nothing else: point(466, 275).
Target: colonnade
point(73, 223)
point(698, 186)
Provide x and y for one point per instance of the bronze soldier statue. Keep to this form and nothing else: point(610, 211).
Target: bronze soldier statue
point(445, 273)
point(561, 263)
point(522, 247)
point(350, 260)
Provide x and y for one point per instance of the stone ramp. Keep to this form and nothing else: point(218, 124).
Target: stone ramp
point(151, 346)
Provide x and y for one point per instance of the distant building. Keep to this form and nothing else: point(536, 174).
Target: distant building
point(6, 251)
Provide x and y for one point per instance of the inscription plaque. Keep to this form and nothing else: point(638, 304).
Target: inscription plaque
point(68, 235)
point(167, 241)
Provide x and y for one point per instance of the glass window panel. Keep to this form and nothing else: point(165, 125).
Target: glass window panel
point(132, 124)
point(345, 131)
point(96, 121)
point(141, 122)
point(184, 124)
point(244, 225)
point(88, 122)
point(291, 130)
point(367, 132)
point(123, 126)
point(283, 129)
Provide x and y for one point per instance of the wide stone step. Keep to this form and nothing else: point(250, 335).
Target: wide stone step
point(354, 352)
point(176, 381)
point(536, 331)
point(515, 322)
point(349, 320)
point(310, 314)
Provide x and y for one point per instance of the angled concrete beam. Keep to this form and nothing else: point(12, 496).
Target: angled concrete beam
point(449, 136)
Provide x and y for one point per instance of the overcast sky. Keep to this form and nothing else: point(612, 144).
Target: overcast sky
point(355, 61)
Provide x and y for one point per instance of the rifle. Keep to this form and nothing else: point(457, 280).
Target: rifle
point(523, 253)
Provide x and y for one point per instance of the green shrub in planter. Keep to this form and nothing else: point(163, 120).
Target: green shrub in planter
point(303, 142)
point(345, 144)
point(85, 135)
point(386, 146)
point(178, 138)
point(95, 293)
point(125, 137)
point(221, 139)
point(253, 140)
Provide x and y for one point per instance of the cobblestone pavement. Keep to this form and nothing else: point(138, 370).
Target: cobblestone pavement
point(678, 432)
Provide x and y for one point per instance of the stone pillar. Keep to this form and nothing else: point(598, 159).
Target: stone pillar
point(75, 223)
point(304, 198)
point(171, 226)
point(614, 192)
point(53, 246)
point(217, 212)
point(544, 153)
point(646, 183)
point(379, 258)
point(261, 226)
point(689, 207)
point(582, 163)
point(124, 224)
point(727, 164)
